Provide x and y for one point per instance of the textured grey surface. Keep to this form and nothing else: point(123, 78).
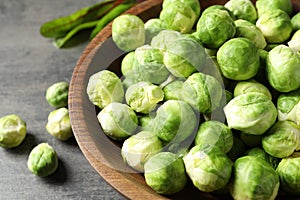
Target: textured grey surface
point(29, 64)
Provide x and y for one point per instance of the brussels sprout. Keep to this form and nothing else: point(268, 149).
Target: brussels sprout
point(144, 120)
point(180, 15)
point(238, 148)
point(248, 30)
point(242, 9)
point(288, 106)
point(215, 28)
point(118, 121)
point(128, 32)
point(283, 70)
point(264, 6)
point(172, 91)
point(214, 133)
point(175, 121)
point(238, 59)
point(251, 140)
point(153, 27)
point(163, 38)
point(294, 43)
point(184, 56)
point(105, 87)
point(165, 173)
point(296, 21)
point(203, 92)
point(57, 94)
point(218, 7)
point(288, 170)
point(260, 153)
point(12, 131)
point(138, 148)
point(127, 63)
point(244, 87)
point(143, 96)
point(253, 113)
point(42, 160)
point(59, 124)
point(208, 167)
point(275, 25)
point(282, 139)
point(253, 178)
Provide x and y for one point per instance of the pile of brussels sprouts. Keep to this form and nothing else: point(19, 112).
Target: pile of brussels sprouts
point(208, 95)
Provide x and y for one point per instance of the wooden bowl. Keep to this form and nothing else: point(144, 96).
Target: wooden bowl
point(102, 153)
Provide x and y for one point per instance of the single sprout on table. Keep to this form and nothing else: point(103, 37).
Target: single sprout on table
point(288, 170)
point(282, 139)
point(264, 6)
point(143, 97)
point(42, 160)
point(248, 30)
point(12, 131)
point(215, 28)
point(138, 148)
point(105, 87)
point(251, 173)
point(275, 25)
point(253, 113)
point(294, 43)
point(118, 121)
point(251, 85)
point(57, 94)
point(203, 92)
point(288, 106)
point(208, 167)
point(165, 173)
point(128, 32)
point(59, 124)
point(242, 9)
point(214, 133)
point(283, 70)
point(238, 59)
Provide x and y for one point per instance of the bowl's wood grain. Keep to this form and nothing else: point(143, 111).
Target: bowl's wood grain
point(93, 143)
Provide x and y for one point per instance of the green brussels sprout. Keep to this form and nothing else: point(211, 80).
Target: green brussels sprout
point(242, 9)
point(253, 178)
point(184, 56)
point(283, 70)
point(163, 38)
point(264, 6)
point(138, 148)
point(215, 28)
point(288, 170)
point(294, 43)
point(209, 168)
point(59, 124)
point(57, 94)
point(295, 20)
point(238, 59)
point(275, 25)
point(127, 63)
point(260, 153)
point(251, 140)
point(218, 7)
point(42, 160)
point(144, 120)
point(174, 122)
point(253, 113)
point(165, 173)
point(153, 27)
point(172, 91)
point(248, 30)
point(238, 148)
point(215, 133)
point(12, 131)
point(143, 97)
point(180, 15)
point(288, 106)
point(128, 32)
point(105, 87)
point(203, 92)
point(252, 85)
point(282, 139)
point(118, 121)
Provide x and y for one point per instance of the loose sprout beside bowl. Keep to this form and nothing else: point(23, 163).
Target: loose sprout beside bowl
point(207, 95)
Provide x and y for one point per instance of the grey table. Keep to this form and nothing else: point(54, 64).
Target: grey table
point(29, 64)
